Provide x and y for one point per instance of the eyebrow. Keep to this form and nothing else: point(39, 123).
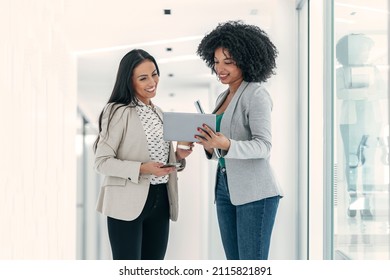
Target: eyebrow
point(145, 75)
point(226, 58)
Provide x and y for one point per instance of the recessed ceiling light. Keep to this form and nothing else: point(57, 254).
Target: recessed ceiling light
point(167, 11)
point(139, 45)
point(253, 12)
point(170, 75)
point(171, 94)
point(343, 20)
point(169, 49)
point(353, 13)
point(365, 8)
point(178, 58)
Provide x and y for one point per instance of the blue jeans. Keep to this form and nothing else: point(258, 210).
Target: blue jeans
point(245, 229)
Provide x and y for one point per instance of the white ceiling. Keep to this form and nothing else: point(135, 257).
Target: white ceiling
point(100, 32)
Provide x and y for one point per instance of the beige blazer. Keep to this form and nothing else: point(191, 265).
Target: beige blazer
point(119, 156)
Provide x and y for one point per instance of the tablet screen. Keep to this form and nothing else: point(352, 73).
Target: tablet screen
point(183, 126)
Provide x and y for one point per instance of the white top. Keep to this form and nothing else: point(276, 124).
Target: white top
point(153, 127)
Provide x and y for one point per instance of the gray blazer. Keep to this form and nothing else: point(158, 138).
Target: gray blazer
point(119, 156)
point(247, 123)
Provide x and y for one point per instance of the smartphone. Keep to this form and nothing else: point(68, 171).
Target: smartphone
point(171, 164)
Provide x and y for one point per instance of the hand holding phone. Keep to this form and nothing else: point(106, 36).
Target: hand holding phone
point(171, 164)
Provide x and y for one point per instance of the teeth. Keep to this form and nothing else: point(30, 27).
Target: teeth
point(151, 89)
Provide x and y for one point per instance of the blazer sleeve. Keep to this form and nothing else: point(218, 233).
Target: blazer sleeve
point(106, 160)
point(259, 115)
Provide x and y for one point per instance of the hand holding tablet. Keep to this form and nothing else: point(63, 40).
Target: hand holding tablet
point(183, 127)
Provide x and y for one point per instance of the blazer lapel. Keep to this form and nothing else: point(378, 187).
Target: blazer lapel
point(220, 100)
point(228, 115)
point(137, 132)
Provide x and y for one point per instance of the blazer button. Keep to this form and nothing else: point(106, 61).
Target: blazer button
point(129, 178)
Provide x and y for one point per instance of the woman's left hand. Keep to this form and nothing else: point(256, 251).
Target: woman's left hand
point(211, 139)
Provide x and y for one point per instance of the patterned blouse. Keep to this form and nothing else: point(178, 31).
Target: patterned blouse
point(153, 127)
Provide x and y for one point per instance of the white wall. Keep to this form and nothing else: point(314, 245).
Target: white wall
point(38, 113)
point(284, 156)
point(318, 144)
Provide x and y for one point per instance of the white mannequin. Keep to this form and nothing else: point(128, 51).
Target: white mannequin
point(360, 88)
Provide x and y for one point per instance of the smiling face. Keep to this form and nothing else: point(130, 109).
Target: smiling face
point(145, 79)
point(226, 68)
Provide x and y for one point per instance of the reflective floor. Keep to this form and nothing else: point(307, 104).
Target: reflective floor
point(361, 127)
point(364, 236)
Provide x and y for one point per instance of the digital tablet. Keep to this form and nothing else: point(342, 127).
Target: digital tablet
point(183, 126)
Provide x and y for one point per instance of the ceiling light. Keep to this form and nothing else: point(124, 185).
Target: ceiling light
point(343, 20)
point(138, 45)
point(366, 8)
point(178, 58)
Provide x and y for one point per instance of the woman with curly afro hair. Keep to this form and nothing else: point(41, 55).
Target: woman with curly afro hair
point(247, 193)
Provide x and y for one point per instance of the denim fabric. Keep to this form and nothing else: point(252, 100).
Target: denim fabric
point(245, 229)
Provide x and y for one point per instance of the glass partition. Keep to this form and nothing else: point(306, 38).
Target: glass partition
point(361, 130)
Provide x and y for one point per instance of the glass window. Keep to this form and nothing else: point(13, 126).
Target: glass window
point(361, 130)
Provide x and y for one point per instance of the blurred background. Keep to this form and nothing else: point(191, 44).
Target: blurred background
point(58, 65)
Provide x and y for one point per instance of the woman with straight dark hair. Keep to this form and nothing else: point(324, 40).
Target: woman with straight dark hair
point(138, 195)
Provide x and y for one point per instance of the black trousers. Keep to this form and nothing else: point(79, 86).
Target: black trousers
point(145, 238)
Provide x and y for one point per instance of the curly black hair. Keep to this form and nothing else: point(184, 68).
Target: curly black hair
point(249, 46)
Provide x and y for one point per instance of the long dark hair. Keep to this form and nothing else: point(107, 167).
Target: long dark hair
point(123, 92)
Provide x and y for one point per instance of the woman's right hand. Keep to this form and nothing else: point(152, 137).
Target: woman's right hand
point(155, 168)
point(210, 139)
